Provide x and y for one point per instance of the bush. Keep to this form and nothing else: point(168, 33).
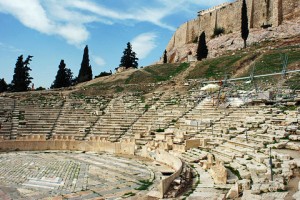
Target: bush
point(40, 88)
point(102, 74)
point(218, 31)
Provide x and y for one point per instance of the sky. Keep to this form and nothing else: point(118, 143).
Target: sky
point(52, 30)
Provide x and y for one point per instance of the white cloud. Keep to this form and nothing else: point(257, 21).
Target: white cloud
point(143, 44)
point(10, 48)
point(68, 18)
point(74, 34)
point(28, 12)
point(99, 60)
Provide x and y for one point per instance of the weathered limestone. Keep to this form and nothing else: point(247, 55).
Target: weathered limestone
point(260, 13)
point(219, 173)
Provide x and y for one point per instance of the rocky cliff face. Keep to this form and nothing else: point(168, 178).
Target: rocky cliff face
point(268, 19)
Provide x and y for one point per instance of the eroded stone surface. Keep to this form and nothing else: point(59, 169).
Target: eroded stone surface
point(38, 175)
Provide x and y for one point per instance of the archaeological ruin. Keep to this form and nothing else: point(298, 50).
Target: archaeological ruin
point(224, 128)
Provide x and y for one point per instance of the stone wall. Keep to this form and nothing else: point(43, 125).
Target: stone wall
point(172, 161)
point(126, 147)
point(260, 13)
point(167, 159)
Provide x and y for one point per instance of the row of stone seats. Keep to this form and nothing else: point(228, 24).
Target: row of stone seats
point(119, 115)
point(78, 115)
point(6, 110)
point(162, 113)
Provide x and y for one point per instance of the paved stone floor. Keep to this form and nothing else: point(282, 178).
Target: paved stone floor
point(67, 175)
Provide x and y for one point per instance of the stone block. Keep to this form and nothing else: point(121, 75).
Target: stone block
point(256, 188)
point(233, 193)
point(244, 184)
point(297, 195)
point(247, 194)
point(294, 137)
point(283, 156)
point(264, 187)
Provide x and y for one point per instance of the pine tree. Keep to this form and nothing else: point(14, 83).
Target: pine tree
point(202, 50)
point(129, 58)
point(63, 77)
point(244, 25)
point(3, 85)
point(21, 78)
point(85, 72)
point(165, 57)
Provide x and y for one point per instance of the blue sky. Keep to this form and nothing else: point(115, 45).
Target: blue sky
point(51, 30)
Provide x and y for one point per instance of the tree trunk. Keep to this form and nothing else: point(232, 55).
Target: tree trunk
point(245, 44)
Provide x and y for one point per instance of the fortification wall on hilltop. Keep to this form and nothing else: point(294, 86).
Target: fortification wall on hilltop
point(228, 16)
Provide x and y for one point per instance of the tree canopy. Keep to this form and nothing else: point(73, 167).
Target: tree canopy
point(244, 25)
point(3, 85)
point(165, 57)
point(85, 72)
point(63, 77)
point(202, 50)
point(129, 58)
point(21, 78)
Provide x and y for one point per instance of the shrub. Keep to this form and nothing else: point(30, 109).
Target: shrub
point(218, 31)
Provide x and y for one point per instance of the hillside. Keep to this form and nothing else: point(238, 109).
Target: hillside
point(158, 114)
point(264, 57)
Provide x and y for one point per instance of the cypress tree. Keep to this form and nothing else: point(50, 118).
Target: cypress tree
point(3, 85)
point(165, 57)
point(129, 58)
point(63, 77)
point(244, 24)
point(85, 72)
point(21, 78)
point(202, 50)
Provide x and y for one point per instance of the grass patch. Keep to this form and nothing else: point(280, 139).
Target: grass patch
point(145, 184)
point(128, 194)
point(147, 107)
point(272, 62)
point(119, 89)
point(156, 73)
point(216, 68)
point(288, 108)
point(293, 83)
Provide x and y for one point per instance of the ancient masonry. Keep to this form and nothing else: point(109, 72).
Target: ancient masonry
point(261, 13)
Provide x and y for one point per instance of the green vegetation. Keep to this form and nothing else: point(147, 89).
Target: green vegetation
point(64, 76)
point(3, 85)
point(165, 57)
point(218, 31)
point(119, 89)
point(288, 108)
point(21, 79)
point(234, 171)
point(202, 50)
point(156, 73)
point(165, 72)
point(191, 191)
point(244, 23)
point(85, 72)
point(145, 184)
point(128, 194)
point(272, 62)
point(21, 115)
point(160, 130)
point(129, 58)
point(293, 83)
point(218, 67)
point(147, 107)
